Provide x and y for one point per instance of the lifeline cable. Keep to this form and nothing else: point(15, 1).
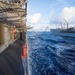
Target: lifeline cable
point(42, 33)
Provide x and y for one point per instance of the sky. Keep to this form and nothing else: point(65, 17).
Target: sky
point(50, 13)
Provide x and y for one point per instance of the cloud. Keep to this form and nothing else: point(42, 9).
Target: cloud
point(36, 18)
point(68, 13)
point(39, 27)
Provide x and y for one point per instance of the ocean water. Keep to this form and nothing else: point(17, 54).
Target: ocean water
point(51, 55)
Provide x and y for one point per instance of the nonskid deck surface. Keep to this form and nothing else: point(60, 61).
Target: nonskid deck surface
point(10, 60)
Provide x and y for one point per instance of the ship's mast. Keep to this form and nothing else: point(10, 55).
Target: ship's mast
point(66, 23)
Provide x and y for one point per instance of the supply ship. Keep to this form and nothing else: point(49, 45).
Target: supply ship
point(68, 32)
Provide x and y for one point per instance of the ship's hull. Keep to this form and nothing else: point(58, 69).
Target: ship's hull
point(65, 33)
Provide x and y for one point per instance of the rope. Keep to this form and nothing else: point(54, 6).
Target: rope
point(42, 33)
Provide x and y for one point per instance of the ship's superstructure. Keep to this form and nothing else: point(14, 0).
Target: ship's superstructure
point(12, 21)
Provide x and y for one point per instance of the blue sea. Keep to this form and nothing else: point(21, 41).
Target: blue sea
point(50, 54)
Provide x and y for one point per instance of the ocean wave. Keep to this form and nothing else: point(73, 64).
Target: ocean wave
point(50, 55)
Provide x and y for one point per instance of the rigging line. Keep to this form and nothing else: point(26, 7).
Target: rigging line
point(42, 33)
point(35, 33)
point(45, 30)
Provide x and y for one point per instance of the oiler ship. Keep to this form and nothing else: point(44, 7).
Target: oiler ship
point(68, 32)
